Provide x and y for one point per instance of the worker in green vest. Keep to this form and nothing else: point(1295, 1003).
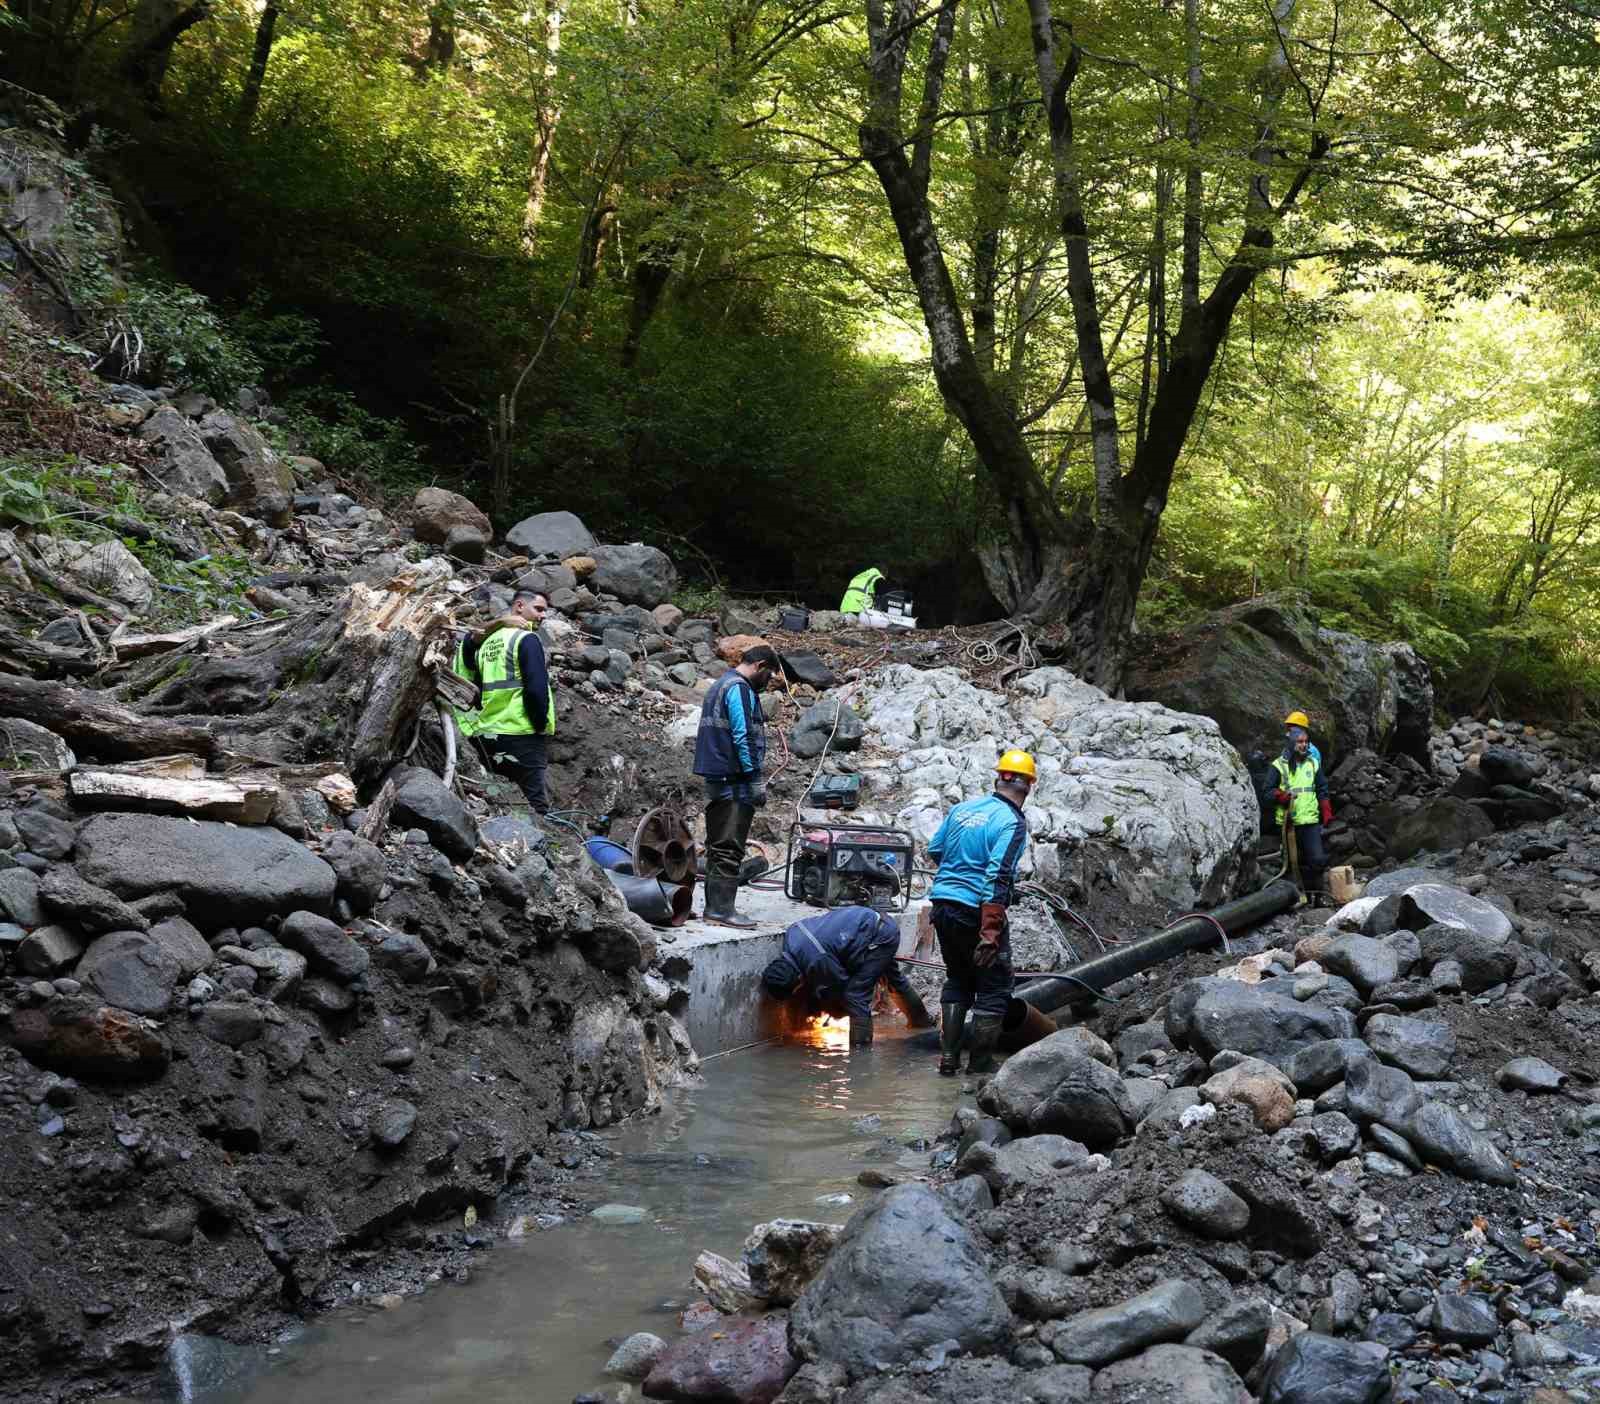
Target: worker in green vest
point(862, 593)
point(517, 711)
point(466, 718)
point(1301, 795)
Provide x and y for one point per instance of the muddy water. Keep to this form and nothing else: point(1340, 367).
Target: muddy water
point(773, 1132)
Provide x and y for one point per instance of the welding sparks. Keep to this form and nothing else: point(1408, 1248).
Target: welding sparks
point(826, 1032)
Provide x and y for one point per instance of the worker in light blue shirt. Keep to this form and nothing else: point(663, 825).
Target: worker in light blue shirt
point(977, 849)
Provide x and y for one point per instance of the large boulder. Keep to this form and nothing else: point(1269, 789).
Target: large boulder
point(227, 875)
point(1316, 1369)
point(1055, 1087)
point(827, 725)
point(1443, 824)
point(436, 512)
point(131, 970)
point(1167, 1312)
point(183, 462)
point(422, 800)
point(635, 574)
point(745, 1360)
point(107, 567)
point(1261, 1023)
point(1246, 665)
point(1430, 903)
point(558, 534)
point(907, 1275)
point(1152, 802)
point(260, 484)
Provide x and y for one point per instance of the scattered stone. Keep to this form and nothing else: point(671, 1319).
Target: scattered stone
point(1366, 963)
point(1237, 1332)
point(358, 869)
point(1393, 1145)
point(407, 955)
point(392, 1123)
point(19, 897)
point(1249, 1020)
point(1167, 1372)
point(745, 1361)
point(1318, 1066)
point(232, 1023)
point(1422, 1048)
point(1055, 1086)
point(1444, 1138)
point(85, 1040)
point(1530, 1075)
point(327, 949)
point(1433, 903)
point(1167, 1312)
point(44, 834)
point(783, 1256)
point(822, 720)
point(422, 800)
point(636, 1357)
point(906, 1275)
point(1251, 1083)
point(1465, 1320)
point(1311, 1368)
point(635, 574)
point(132, 971)
point(50, 950)
point(559, 534)
point(184, 944)
point(1376, 1092)
point(1208, 1206)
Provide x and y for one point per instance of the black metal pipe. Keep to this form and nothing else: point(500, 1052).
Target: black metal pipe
point(659, 903)
point(1087, 977)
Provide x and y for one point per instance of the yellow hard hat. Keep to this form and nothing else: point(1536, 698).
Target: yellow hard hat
point(1298, 719)
point(1017, 763)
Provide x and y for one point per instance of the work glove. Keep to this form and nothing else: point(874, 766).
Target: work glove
point(860, 1031)
point(1282, 797)
point(1327, 812)
point(758, 795)
point(991, 930)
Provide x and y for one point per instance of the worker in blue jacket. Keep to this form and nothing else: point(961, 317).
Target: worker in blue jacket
point(836, 960)
point(730, 752)
point(977, 849)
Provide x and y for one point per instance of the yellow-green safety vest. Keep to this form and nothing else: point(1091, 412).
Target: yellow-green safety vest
point(858, 594)
point(1301, 783)
point(503, 712)
point(467, 721)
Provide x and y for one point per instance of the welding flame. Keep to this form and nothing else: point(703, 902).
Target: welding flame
point(826, 1032)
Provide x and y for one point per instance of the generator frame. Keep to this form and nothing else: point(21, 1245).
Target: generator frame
point(902, 842)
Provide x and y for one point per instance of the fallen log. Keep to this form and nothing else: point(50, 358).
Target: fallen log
point(93, 723)
point(39, 656)
point(237, 802)
point(130, 646)
point(164, 768)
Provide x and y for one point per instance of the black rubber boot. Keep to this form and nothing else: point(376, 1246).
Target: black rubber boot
point(720, 896)
point(980, 1050)
point(861, 1032)
point(953, 1018)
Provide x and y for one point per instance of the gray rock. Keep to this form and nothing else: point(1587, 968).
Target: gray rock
point(1030, 1161)
point(559, 534)
point(1163, 1116)
point(231, 1022)
point(1418, 1046)
point(1237, 1332)
point(907, 1275)
point(1393, 1145)
point(1265, 1025)
point(684, 674)
point(1206, 1205)
point(1430, 903)
point(1310, 1368)
point(1465, 1320)
point(44, 834)
point(1440, 825)
point(810, 735)
point(87, 1040)
point(50, 950)
point(90, 908)
point(1447, 977)
point(636, 1357)
point(260, 484)
point(1484, 961)
point(1366, 963)
point(1443, 1137)
point(326, 998)
point(358, 869)
point(279, 971)
point(226, 875)
point(31, 747)
point(467, 543)
point(1055, 1086)
point(184, 944)
point(184, 463)
point(1138, 1039)
point(406, 954)
point(1318, 1066)
point(1500, 765)
point(1395, 883)
point(1534, 1352)
point(130, 970)
point(392, 1123)
point(1333, 1134)
point(635, 574)
point(1530, 1075)
point(970, 1195)
point(328, 951)
point(1376, 1092)
point(1170, 1374)
point(19, 897)
point(1391, 1329)
point(421, 800)
point(1167, 1312)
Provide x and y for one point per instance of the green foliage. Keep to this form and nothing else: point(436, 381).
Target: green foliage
point(22, 498)
point(165, 332)
point(334, 428)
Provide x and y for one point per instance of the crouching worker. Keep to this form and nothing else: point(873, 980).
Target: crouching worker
point(835, 962)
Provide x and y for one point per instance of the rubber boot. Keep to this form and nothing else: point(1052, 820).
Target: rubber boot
point(721, 894)
point(953, 1018)
point(980, 1050)
point(861, 1032)
point(911, 1005)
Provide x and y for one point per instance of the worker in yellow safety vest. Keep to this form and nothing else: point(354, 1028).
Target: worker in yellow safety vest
point(517, 710)
point(1302, 799)
point(862, 592)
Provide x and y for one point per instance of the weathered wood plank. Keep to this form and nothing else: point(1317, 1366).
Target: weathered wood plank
point(240, 803)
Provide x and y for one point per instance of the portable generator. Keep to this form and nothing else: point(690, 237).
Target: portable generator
point(842, 865)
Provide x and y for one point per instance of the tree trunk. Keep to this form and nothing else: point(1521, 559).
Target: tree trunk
point(158, 25)
point(250, 98)
point(652, 270)
point(99, 726)
point(547, 116)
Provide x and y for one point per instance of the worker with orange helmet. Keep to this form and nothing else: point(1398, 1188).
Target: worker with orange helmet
point(977, 848)
point(1301, 796)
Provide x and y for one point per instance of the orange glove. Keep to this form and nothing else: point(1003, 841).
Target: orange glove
point(1327, 812)
point(991, 930)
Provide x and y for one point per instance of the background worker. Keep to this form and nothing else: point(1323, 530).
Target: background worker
point(729, 753)
point(977, 849)
point(517, 708)
point(836, 960)
point(1301, 796)
point(862, 592)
